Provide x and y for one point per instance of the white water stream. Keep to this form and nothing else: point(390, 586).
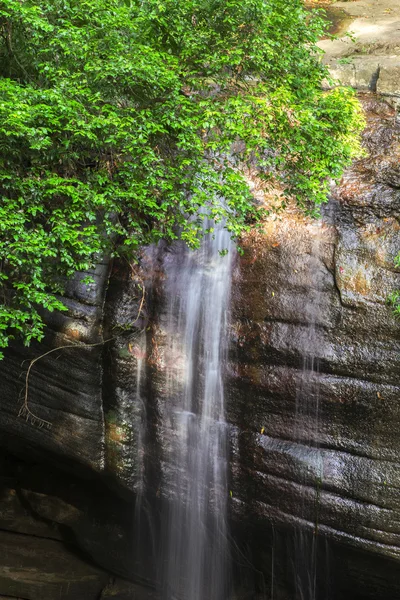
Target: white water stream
point(197, 291)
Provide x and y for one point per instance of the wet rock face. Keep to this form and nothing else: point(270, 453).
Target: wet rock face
point(66, 532)
point(63, 418)
point(64, 537)
point(38, 561)
point(323, 447)
point(318, 449)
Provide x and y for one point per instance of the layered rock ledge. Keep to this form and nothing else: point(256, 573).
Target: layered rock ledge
point(366, 56)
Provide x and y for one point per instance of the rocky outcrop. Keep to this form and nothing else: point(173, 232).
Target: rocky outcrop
point(37, 560)
point(320, 449)
point(367, 73)
point(63, 536)
point(63, 419)
point(365, 54)
point(312, 449)
point(56, 494)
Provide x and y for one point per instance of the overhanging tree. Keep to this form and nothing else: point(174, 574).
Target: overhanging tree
point(120, 119)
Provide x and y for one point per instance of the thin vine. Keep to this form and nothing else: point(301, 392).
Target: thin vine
point(25, 412)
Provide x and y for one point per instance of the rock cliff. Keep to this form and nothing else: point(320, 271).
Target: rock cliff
point(312, 385)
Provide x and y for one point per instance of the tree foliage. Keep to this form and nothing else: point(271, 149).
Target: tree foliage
point(119, 119)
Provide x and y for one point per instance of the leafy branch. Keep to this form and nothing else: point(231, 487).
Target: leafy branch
point(120, 120)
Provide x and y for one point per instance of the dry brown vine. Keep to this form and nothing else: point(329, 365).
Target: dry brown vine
point(25, 412)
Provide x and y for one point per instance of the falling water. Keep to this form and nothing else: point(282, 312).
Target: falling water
point(140, 355)
point(139, 352)
point(308, 550)
point(197, 290)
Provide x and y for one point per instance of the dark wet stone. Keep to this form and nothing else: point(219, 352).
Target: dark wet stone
point(124, 590)
point(340, 467)
point(42, 569)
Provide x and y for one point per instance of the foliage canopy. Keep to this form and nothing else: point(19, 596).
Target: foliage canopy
point(119, 119)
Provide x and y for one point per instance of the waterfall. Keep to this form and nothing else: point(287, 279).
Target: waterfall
point(197, 290)
point(309, 550)
point(139, 352)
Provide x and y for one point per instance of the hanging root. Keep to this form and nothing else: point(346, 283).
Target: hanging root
point(33, 419)
point(141, 303)
point(25, 412)
point(141, 284)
